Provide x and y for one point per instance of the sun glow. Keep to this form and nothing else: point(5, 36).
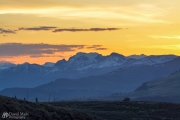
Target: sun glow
point(123, 26)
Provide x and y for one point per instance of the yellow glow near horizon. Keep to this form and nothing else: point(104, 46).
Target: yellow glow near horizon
point(148, 26)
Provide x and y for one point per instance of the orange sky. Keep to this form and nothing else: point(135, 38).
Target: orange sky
point(139, 27)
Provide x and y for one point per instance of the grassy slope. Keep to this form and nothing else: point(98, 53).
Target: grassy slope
point(127, 110)
point(166, 86)
point(166, 89)
point(87, 110)
point(40, 111)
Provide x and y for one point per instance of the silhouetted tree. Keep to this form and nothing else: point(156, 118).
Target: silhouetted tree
point(24, 99)
point(55, 99)
point(126, 99)
point(36, 99)
point(27, 96)
point(49, 97)
point(15, 97)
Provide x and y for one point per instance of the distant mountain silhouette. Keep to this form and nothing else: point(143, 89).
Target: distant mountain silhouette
point(119, 81)
point(78, 66)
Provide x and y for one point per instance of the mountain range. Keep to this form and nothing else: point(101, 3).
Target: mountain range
point(122, 80)
point(78, 66)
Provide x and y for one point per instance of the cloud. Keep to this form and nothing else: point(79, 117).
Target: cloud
point(41, 49)
point(170, 47)
point(7, 31)
point(96, 47)
point(36, 56)
point(54, 29)
point(100, 48)
point(19, 49)
point(167, 47)
point(137, 14)
point(85, 30)
point(57, 3)
point(38, 28)
point(166, 37)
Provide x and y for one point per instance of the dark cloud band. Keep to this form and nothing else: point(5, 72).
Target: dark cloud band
point(38, 28)
point(18, 49)
point(84, 30)
point(96, 47)
point(7, 31)
point(37, 50)
point(54, 29)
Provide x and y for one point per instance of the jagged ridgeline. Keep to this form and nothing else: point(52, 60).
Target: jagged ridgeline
point(78, 66)
point(100, 76)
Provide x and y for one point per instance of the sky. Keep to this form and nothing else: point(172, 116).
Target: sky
point(39, 31)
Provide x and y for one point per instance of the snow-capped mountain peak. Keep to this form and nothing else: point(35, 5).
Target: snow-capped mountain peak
point(26, 63)
point(48, 64)
point(116, 57)
point(5, 65)
point(83, 57)
point(137, 56)
point(79, 65)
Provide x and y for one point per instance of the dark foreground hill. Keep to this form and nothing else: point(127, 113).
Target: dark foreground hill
point(166, 86)
point(38, 111)
point(127, 110)
point(90, 110)
point(164, 89)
